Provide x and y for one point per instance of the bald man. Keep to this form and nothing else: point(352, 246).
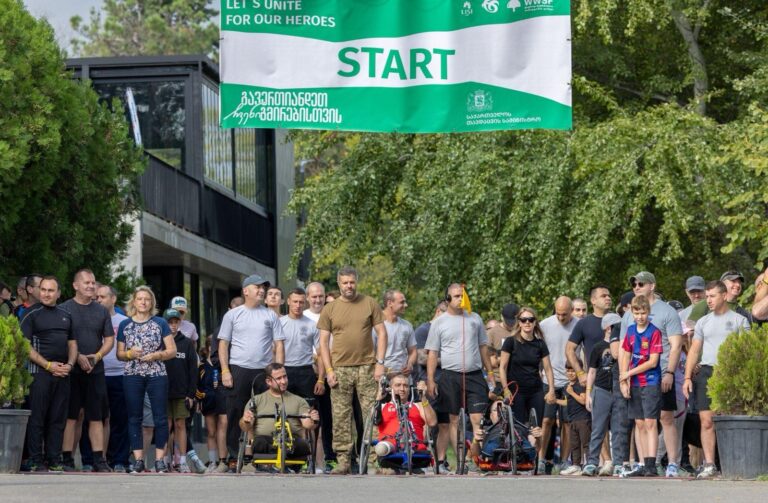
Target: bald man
point(557, 329)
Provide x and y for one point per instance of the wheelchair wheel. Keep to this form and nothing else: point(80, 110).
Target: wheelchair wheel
point(241, 452)
point(408, 449)
point(312, 452)
point(365, 445)
point(461, 443)
point(282, 440)
point(533, 421)
point(514, 447)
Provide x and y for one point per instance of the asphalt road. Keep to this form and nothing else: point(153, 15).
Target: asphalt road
point(109, 488)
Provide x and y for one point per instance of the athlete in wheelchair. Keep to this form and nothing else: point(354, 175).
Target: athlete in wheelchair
point(504, 443)
point(404, 444)
point(274, 426)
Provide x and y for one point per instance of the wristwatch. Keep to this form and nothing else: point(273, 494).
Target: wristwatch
point(379, 362)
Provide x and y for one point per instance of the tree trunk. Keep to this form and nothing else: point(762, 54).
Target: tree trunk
point(699, 65)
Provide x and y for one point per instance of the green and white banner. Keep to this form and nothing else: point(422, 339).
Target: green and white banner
point(415, 66)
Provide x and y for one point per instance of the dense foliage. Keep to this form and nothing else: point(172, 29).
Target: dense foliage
point(739, 383)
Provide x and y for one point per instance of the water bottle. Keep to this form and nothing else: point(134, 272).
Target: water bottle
point(215, 378)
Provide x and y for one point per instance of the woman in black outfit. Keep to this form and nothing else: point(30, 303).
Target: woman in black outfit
point(522, 356)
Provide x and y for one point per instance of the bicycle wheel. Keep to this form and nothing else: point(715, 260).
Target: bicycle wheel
point(408, 448)
point(365, 445)
point(312, 452)
point(431, 445)
point(533, 421)
point(461, 443)
point(282, 440)
point(514, 448)
point(241, 452)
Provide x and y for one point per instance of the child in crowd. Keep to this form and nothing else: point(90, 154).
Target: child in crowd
point(640, 382)
point(182, 384)
point(580, 421)
point(212, 403)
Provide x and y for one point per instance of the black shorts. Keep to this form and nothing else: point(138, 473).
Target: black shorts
point(215, 403)
point(645, 402)
point(669, 399)
point(301, 381)
point(88, 392)
point(700, 385)
point(553, 410)
point(475, 398)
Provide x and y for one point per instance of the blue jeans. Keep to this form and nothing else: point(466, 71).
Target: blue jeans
point(157, 389)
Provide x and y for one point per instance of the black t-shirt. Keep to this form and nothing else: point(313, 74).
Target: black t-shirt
point(90, 323)
point(524, 363)
point(48, 330)
point(601, 359)
point(588, 331)
point(615, 337)
point(574, 409)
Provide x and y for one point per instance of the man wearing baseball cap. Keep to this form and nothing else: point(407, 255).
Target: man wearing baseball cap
point(694, 289)
point(497, 334)
point(187, 327)
point(246, 337)
point(734, 284)
point(666, 319)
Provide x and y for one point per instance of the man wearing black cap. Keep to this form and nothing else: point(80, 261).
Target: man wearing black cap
point(694, 289)
point(497, 334)
point(246, 337)
point(666, 319)
point(734, 283)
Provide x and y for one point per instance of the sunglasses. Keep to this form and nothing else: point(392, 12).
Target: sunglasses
point(527, 320)
point(638, 284)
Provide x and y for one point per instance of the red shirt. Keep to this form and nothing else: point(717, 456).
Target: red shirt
point(389, 424)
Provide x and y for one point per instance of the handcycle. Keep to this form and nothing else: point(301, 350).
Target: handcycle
point(282, 440)
point(406, 455)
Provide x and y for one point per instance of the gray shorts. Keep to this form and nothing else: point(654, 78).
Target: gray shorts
point(645, 402)
point(147, 420)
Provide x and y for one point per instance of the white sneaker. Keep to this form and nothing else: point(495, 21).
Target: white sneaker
point(183, 468)
point(571, 470)
point(707, 472)
point(606, 470)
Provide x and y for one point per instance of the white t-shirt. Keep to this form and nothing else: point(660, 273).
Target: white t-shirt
point(301, 339)
point(112, 366)
point(713, 329)
point(250, 333)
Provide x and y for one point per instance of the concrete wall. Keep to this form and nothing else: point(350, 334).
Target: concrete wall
point(286, 224)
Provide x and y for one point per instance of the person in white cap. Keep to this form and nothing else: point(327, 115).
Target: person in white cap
point(187, 327)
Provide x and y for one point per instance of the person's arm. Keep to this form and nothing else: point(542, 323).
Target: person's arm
point(169, 353)
point(550, 396)
point(247, 423)
point(591, 375)
point(690, 364)
point(412, 355)
point(431, 369)
point(381, 349)
point(579, 397)
point(675, 348)
point(570, 355)
point(427, 412)
point(623, 366)
point(487, 365)
point(309, 423)
point(653, 360)
point(325, 357)
point(279, 352)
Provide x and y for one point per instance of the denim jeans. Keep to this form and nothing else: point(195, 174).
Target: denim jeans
point(157, 389)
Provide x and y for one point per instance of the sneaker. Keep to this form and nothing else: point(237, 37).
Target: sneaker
point(37, 467)
point(87, 468)
point(138, 467)
point(342, 468)
point(654, 472)
point(571, 470)
point(184, 468)
point(329, 466)
point(684, 472)
point(222, 467)
point(636, 471)
point(194, 462)
point(606, 470)
point(160, 466)
point(443, 468)
point(672, 471)
point(211, 468)
point(69, 466)
point(707, 472)
point(248, 468)
point(55, 468)
point(619, 469)
point(120, 469)
point(589, 471)
point(542, 468)
point(102, 467)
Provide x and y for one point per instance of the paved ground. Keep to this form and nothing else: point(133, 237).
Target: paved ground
point(319, 489)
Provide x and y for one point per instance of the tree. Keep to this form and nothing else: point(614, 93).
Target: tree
point(148, 27)
point(68, 170)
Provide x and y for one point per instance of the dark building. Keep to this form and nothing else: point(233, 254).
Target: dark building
point(213, 198)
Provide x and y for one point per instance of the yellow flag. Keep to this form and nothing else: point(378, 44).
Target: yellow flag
point(465, 303)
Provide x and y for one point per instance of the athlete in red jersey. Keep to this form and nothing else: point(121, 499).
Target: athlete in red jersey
point(419, 415)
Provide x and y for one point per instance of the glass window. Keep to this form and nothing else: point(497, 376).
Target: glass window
point(245, 157)
point(161, 110)
point(217, 142)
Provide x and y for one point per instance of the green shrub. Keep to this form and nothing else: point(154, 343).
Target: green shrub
point(739, 383)
point(14, 378)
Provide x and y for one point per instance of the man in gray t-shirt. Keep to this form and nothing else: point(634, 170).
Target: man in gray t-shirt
point(302, 338)
point(710, 332)
point(459, 338)
point(665, 318)
point(401, 339)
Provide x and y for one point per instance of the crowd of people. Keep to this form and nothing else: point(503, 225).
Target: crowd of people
point(616, 392)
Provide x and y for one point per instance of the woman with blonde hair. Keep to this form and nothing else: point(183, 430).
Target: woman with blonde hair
point(523, 354)
point(144, 341)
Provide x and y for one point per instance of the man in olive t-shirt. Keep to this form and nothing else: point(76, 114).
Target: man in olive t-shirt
point(349, 364)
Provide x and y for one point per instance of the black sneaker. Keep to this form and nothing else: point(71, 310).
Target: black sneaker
point(69, 466)
point(160, 466)
point(55, 468)
point(37, 467)
point(102, 466)
point(651, 472)
point(138, 467)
